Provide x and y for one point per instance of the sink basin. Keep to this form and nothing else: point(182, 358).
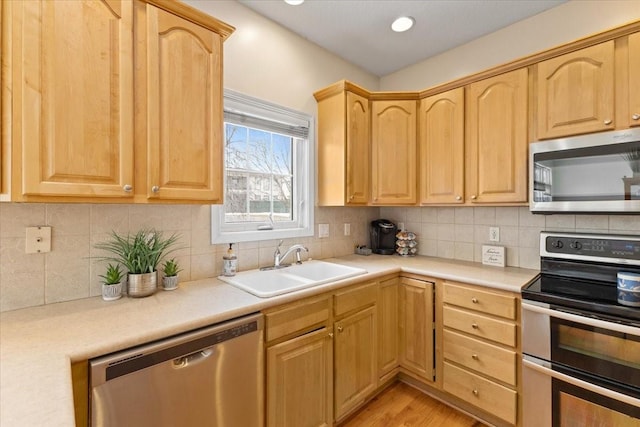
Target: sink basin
point(321, 271)
point(270, 283)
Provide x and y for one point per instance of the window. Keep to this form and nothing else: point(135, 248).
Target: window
point(269, 171)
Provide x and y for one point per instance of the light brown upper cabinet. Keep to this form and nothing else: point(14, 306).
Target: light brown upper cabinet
point(71, 72)
point(344, 145)
point(496, 139)
point(77, 92)
point(634, 79)
point(441, 146)
point(393, 148)
point(179, 100)
point(575, 92)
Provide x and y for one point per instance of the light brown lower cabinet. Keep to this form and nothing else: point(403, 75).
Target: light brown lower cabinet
point(416, 328)
point(300, 381)
point(328, 355)
point(480, 349)
point(388, 338)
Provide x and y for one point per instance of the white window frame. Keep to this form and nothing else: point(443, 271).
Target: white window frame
point(303, 185)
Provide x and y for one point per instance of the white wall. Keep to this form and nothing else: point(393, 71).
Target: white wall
point(570, 21)
point(267, 61)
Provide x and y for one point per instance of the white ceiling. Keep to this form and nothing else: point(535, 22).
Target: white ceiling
point(359, 30)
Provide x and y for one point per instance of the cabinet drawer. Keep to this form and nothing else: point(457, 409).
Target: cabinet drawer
point(355, 298)
point(486, 358)
point(501, 331)
point(296, 317)
point(486, 395)
point(495, 303)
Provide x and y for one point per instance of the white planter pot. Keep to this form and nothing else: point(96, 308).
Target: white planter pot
point(142, 285)
point(170, 283)
point(111, 292)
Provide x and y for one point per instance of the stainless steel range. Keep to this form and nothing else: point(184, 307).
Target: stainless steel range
point(581, 348)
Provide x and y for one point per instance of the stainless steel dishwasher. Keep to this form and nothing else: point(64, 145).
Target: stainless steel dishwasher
point(213, 376)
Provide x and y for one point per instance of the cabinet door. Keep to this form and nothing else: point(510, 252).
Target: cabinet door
point(634, 81)
point(358, 149)
point(441, 126)
point(355, 359)
point(387, 326)
point(299, 381)
point(184, 109)
point(496, 139)
point(575, 92)
point(72, 125)
point(416, 327)
point(393, 135)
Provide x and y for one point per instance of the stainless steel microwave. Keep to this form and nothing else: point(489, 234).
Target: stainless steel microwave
point(597, 173)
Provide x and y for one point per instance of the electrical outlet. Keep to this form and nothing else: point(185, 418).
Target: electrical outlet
point(38, 240)
point(401, 226)
point(347, 229)
point(323, 231)
point(494, 234)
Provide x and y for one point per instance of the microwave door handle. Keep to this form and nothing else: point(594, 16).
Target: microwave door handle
point(597, 323)
point(528, 363)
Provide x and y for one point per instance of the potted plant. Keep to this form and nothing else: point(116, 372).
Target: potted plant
point(171, 270)
point(140, 254)
point(112, 283)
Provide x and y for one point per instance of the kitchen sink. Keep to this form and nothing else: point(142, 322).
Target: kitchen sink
point(269, 283)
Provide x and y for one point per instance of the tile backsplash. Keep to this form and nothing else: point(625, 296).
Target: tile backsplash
point(460, 232)
point(69, 272)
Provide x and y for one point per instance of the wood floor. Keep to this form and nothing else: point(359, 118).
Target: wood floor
point(401, 405)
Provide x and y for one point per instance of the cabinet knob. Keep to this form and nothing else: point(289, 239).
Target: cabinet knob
point(330, 334)
point(473, 197)
point(474, 300)
point(155, 189)
point(127, 188)
point(340, 329)
point(474, 325)
point(636, 117)
point(458, 197)
point(475, 392)
point(474, 356)
point(351, 197)
point(608, 122)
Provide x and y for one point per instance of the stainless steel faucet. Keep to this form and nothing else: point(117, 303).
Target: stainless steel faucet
point(278, 258)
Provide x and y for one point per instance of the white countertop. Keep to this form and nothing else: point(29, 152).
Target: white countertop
point(38, 344)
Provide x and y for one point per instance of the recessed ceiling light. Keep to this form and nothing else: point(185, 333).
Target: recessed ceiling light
point(294, 2)
point(402, 24)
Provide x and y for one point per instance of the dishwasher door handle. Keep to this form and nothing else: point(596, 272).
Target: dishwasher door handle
point(192, 359)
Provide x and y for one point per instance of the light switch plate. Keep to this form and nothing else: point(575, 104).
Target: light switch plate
point(493, 255)
point(494, 234)
point(38, 240)
point(347, 229)
point(323, 231)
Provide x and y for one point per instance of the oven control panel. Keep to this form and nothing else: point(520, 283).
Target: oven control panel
point(590, 246)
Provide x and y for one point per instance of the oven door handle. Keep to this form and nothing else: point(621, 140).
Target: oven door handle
point(597, 323)
point(529, 362)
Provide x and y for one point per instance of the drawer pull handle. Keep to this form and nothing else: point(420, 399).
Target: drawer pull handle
point(475, 392)
point(608, 122)
point(636, 117)
point(474, 325)
point(474, 300)
point(474, 356)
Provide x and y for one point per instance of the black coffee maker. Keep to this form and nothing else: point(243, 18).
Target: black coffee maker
point(383, 237)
